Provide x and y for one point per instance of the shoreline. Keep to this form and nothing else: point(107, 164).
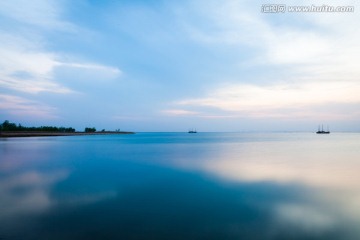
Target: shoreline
point(57, 134)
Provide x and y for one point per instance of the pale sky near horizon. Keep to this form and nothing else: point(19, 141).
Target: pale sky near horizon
point(172, 65)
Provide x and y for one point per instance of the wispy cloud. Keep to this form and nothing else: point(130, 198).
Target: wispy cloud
point(179, 112)
point(273, 38)
point(309, 65)
point(247, 97)
point(235, 60)
point(88, 71)
point(28, 64)
point(277, 100)
point(38, 13)
point(129, 117)
point(19, 106)
point(26, 67)
point(113, 70)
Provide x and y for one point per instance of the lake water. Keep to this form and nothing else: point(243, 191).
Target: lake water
point(181, 186)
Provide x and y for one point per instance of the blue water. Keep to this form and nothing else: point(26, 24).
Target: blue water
point(181, 186)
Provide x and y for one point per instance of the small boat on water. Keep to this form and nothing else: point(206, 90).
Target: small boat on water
point(192, 131)
point(322, 130)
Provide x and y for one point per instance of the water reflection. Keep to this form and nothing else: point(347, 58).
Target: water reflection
point(306, 163)
point(27, 192)
point(160, 186)
point(327, 168)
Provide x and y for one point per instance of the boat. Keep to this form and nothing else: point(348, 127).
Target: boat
point(192, 131)
point(322, 130)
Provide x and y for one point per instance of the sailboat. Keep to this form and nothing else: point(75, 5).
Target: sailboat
point(192, 131)
point(322, 130)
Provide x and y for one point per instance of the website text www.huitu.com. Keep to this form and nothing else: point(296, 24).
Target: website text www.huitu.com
point(282, 8)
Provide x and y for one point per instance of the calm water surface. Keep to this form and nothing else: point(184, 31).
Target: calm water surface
point(181, 186)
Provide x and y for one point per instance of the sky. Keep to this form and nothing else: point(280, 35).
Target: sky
point(175, 65)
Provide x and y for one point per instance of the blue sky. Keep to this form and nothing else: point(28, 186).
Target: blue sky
point(173, 65)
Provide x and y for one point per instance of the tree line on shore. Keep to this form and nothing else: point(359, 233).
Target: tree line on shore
point(7, 126)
